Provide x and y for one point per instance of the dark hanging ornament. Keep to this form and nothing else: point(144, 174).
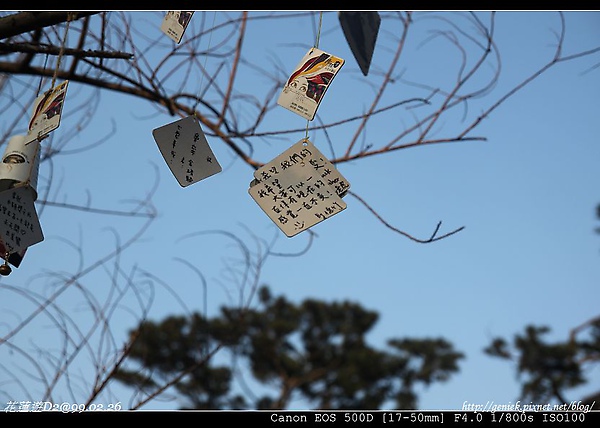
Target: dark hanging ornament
point(5, 269)
point(361, 29)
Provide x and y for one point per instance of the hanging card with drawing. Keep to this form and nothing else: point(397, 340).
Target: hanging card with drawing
point(186, 151)
point(304, 90)
point(305, 153)
point(47, 111)
point(175, 23)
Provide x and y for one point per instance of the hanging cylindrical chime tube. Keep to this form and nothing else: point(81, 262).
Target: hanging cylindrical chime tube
point(19, 167)
point(20, 164)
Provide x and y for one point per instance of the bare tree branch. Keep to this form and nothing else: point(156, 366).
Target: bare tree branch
point(23, 22)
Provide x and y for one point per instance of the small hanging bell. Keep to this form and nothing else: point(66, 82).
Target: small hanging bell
point(5, 269)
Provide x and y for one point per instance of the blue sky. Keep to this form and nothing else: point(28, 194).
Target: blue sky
point(526, 196)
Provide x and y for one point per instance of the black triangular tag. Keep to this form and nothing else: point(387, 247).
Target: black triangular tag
point(360, 30)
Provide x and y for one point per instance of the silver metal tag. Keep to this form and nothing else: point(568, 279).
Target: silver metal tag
point(299, 188)
point(186, 151)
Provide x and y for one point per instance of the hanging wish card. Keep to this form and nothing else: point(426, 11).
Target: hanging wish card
point(19, 224)
point(304, 90)
point(47, 111)
point(296, 157)
point(186, 151)
point(175, 23)
point(295, 191)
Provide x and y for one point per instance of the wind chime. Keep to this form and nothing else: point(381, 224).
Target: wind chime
point(19, 223)
point(301, 187)
point(182, 143)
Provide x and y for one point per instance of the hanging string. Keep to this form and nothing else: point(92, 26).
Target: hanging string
point(42, 77)
point(204, 66)
point(316, 45)
point(62, 49)
point(319, 29)
point(42, 104)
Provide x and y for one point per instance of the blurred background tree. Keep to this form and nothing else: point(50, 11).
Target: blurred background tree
point(315, 353)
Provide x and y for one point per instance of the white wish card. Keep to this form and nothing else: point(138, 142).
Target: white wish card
point(186, 151)
point(175, 23)
point(296, 157)
point(47, 111)
point(299, 189)
point(304, 90)
point(19, 224)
